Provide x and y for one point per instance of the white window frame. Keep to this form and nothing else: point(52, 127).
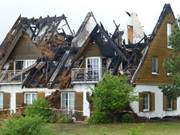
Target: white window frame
point(31, 100)
point(148, 102)
point(169, 33)
point(1, 100)
point(68, 104)
point(156, 65)
point(98, 69)
point(26, 63)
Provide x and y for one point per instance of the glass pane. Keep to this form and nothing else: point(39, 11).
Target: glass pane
point(71, 101)
point(27, 98)
point(1, 100)
point(34, 97)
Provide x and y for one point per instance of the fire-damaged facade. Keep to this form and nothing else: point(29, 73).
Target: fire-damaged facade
point(44, 58)
point(76, 68)
point(25, 44)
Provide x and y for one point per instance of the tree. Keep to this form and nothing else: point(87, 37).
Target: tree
point(172, 65)
point(112, 95)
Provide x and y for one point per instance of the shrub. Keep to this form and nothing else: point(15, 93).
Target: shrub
point(61, 117)
point(40, 107)
point(98, 118)
point(24, 126)
point(127, 118)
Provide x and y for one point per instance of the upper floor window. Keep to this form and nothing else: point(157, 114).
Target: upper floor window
point(93, 67)
point(29, 98)
point(22, 64)
point(169, 33)
point(1, 101)
point(154, 65)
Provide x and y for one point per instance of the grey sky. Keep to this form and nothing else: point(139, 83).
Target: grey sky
point(104, 11)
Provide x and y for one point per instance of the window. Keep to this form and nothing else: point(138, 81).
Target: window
point(29, 98)
point(1, 101)
point(169, 32)
point(22, 64)
point(154, 65)
point(93, 68)
point(169, 103)
point(146, 102)
point(68, 101)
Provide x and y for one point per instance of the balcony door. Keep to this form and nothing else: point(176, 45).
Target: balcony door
point(93, 68)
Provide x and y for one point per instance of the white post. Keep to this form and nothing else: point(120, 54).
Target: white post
point(86, 105)
point(13, 102)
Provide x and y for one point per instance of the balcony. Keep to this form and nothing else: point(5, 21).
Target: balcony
point(11, 76)
point(83, 75)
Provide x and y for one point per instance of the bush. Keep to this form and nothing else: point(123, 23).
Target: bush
point(40, 108)
point(60, 117)
point(24, 126)
point(99, 118)
point(113, 94)
point(127, 118)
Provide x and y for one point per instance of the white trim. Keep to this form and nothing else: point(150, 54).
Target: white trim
point(31, 100)
point(69, 101)
point(99, 65)
point(1, 100)
point(148, 103)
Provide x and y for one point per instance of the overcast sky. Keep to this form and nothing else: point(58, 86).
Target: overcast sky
point(104, 10)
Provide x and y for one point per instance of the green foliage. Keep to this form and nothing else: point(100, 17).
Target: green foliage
point(112, 94)
point(136, 131)
point(98, 118)
point(60, 117)
point(127, 118)
point(172, 65)
point(40, 108)
point(24, 126)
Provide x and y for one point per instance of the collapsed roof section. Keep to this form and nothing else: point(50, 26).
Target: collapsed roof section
point(55, 72)
point(41, 31)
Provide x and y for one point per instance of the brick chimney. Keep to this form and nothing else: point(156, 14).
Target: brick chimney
point(130, 34)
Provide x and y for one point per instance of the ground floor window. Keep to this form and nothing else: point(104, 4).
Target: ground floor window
point(1, 101)
point(146, 101)
point(29, 98)
point(68, 101)
point(169, 103)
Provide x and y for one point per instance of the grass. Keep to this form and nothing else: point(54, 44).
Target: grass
point(160, 128)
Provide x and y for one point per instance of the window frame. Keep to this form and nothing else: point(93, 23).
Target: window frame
point(169, 102)
point(31, 99)
point(1, 100)
point(169, 33)
point(68, 104)
point(148, 102)
point(154, 60)
point(96, 68)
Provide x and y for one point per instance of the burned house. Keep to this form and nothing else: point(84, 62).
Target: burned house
point(65, 67)
point(151, 72)
point(27, 42)
point(77, 67)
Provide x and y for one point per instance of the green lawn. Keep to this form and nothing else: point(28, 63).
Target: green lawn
point(160, 128)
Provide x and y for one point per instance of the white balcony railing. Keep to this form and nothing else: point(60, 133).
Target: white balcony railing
point(11, 76)
point(80, 75)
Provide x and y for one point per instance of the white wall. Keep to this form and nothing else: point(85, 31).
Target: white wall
point(17, 88)
point(158, 103)
point(84, 88)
